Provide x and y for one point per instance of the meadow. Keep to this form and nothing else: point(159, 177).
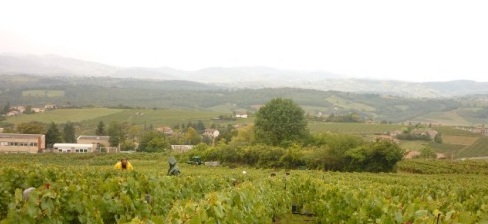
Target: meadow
point(74, 188)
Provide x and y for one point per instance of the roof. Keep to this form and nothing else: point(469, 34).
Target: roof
point(93, 137)
point(15, 135)
point(72, 145)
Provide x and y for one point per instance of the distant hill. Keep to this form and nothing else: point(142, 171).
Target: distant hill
point(237, 77)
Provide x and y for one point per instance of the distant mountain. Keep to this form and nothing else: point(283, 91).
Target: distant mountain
point(237, 77)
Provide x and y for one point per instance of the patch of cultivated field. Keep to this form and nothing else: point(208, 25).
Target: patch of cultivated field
point(64, 115)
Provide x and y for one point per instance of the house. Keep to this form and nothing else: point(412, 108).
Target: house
point(181, 148)
point(241, 115)
point(412, 154)
point(95, 141)
point(165, 129)
point(50, 106)
point(1, 130)
point(20, 109)
point(13, 113)
point(37, 109)
point(22, 143)
point(213, 133)
point(440, 156)
point(73, 148)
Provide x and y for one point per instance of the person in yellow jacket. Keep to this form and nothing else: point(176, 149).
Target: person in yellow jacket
point(123, 165)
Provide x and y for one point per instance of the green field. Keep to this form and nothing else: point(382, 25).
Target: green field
point(84, 188)
point(353, 128)
point(477, 149)
point(43, 93)
point(449, 118)
point(348, 104)
point(64, 115)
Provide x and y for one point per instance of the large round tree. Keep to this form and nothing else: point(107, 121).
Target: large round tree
point(280, 121)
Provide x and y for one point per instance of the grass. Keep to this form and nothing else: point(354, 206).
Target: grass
point(352, 128)
point(449, 130)
point(64, 115)
point(477, 149)
point(459, 140)
point(348, 104)
point(156, 118)
point(450, 118)
point(43, 93)
point(413, 145)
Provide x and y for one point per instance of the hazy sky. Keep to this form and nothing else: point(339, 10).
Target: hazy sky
point(407, 40)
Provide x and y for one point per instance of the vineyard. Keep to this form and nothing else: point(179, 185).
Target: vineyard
point(478, 148)
point(353, 128)
point(86, 189)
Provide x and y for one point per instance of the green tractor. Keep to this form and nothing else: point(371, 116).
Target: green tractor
point(195, 160)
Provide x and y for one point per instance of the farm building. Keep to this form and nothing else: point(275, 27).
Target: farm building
point(26, 143)
point(181, 148)
point(96, 141)
point(73, 147)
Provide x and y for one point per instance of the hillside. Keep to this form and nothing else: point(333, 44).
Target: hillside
point(237, 77)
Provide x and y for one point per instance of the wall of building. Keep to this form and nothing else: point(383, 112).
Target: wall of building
point(19, 143)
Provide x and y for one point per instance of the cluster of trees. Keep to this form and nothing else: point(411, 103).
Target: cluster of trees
point(417, 134)
point(280, 138)
point(54, 133)
point(147, 139)
point(335, 152)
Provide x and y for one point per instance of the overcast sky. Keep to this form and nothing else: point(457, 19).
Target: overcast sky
point(405, 40)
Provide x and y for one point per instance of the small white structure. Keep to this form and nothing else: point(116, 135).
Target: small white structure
point(73, 147)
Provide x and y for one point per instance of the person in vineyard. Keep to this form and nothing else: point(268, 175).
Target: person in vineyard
point(123, 164)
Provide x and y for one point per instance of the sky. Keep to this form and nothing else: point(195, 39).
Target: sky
point(398, 40)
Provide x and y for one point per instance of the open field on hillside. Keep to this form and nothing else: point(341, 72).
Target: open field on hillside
point(353, 128)
point(478, 148)
point(448, 118)
point(43, 93)
point(413, 145)
point(348, 104)
point(65, 193)
point(459, 140)
point(64, 115)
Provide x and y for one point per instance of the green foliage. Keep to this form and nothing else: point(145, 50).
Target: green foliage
point(65, 193)
point(33, 127)
point(279, 122)
point(100, 129)
point(438, 138)
point(69, 134)
point(153, 141)
point(427, 152)
point(192, 137)
point(6, 108)
point(53, 135)
point(478, 148)
point(379, 156)
point(347, 118)
point(116, 134)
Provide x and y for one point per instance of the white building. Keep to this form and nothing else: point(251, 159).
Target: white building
point(72, 147)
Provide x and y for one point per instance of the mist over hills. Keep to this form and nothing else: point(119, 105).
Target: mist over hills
point(235, 78)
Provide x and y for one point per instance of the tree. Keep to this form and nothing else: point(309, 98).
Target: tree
point(33, 127)
point(279, 122)
point(53, 135)
point(6, 108)
point(28, 110)
point(200, 127)
point(100, 129)
point(116, 134)
point(427, 152)
point(438, 138)
point(153, 141)
point(192, 137)
point(69, 133)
